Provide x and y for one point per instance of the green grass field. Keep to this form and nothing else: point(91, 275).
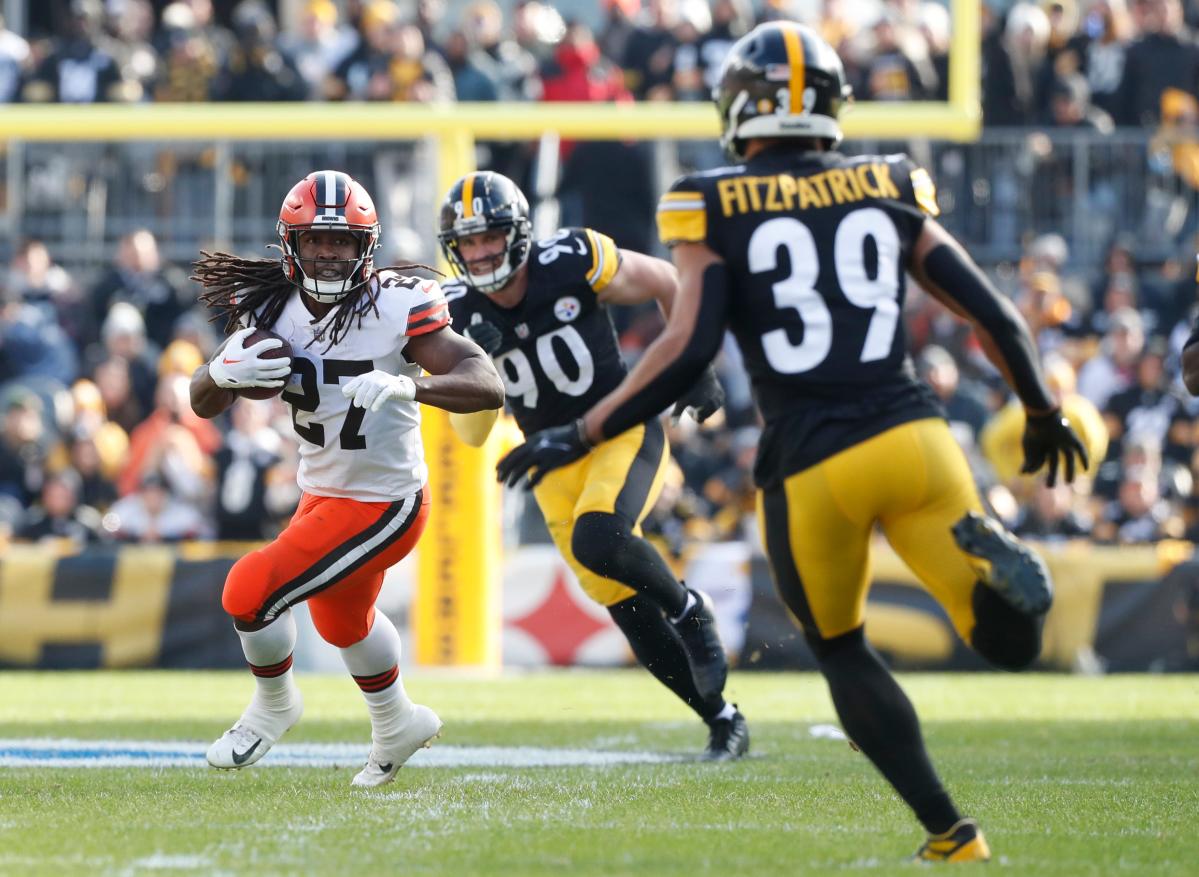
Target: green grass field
point(1069, 776)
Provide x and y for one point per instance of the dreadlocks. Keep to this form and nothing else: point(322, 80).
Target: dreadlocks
point(257, 288)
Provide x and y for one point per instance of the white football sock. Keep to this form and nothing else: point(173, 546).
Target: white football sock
point(276, 704)
point(726, 712)
point(374, 663)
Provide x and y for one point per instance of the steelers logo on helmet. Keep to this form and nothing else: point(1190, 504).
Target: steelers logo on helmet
point(328, 201)
point(780, 80)
point(478, 203)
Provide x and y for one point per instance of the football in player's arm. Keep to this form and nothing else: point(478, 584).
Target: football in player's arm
point(802, 253)
point(539, 308)
point(359, 339)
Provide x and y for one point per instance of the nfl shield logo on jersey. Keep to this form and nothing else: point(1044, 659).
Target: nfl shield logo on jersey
point(522, 331)
point(566, 308)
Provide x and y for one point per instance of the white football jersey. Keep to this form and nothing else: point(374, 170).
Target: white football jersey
point(345, 451)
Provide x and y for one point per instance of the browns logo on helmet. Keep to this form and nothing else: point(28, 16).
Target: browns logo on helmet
point(332, 201)
point(780, 80)
point(485, 201)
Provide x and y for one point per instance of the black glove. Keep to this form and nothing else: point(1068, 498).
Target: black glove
point(1045, 437)
point(704, 399)
point(486, 335)
point(542, 452)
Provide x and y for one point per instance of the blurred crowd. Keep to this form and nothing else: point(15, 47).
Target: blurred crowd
point(1090, 63)
point(99, 443)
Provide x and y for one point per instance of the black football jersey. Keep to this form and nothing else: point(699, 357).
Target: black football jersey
point(817, 246)
point(559, 354)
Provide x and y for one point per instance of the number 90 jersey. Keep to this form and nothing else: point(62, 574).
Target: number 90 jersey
point(346, 451)
point(558, 352)
point(817, 245)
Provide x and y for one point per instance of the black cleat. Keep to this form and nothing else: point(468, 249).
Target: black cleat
point(1017, 574)
point(709, 664)
point(728, 739)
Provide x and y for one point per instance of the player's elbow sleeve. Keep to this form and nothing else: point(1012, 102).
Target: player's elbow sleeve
point(707, 334)
point(698, 349)
point(960, 279)
point(955, 273)
point(475, 427)
point(709, 326)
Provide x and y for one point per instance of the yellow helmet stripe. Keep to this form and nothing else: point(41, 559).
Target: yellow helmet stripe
point(468, 196)
point(795, 58)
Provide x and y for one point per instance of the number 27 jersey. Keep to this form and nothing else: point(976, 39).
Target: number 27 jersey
point(817, 246)
point(347, 451)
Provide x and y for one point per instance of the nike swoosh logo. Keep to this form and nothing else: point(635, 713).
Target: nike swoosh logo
point(240, 757)
point(230, 361)
point(386, 768)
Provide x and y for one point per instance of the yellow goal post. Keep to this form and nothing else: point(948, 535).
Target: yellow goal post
point(456, 609)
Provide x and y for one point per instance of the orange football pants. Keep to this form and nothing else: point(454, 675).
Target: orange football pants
point(332, 554)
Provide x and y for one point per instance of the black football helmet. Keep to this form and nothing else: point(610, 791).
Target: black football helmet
point(780, 80)
point(483, 201)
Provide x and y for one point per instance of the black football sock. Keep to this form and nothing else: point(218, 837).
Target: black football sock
point(659, 648)
point(880, 720)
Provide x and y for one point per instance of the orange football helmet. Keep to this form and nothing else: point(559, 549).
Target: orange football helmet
point(335, 201)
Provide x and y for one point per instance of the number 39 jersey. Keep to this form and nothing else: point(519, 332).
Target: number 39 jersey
point(817, 246)
point(345, 451)
point(558, 355)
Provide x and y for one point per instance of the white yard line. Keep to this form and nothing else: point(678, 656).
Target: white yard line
point(42, 752)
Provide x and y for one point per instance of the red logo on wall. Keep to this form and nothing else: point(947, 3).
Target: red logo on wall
point(558, 624)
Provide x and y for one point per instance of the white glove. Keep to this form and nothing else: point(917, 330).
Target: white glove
point(374, 388)
point(237, 367)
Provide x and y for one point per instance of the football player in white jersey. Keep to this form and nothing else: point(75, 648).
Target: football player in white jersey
point(359, 337)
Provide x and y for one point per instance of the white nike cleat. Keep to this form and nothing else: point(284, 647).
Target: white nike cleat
point(242, 745)
point(236, 748)
point(385, 762)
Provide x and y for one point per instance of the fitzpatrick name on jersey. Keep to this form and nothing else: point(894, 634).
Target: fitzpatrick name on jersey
point(787, 192)
point(345, 451)
point(559, 354)
point(818, 246)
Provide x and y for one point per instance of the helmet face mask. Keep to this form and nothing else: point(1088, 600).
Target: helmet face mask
point(482, 202)
point(781, 80)
point(335, 202)
point(315, 265)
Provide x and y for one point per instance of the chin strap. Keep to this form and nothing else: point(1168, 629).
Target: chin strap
point(340, 290)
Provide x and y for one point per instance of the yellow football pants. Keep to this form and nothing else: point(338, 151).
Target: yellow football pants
point(621, 476)
point(914, 481)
